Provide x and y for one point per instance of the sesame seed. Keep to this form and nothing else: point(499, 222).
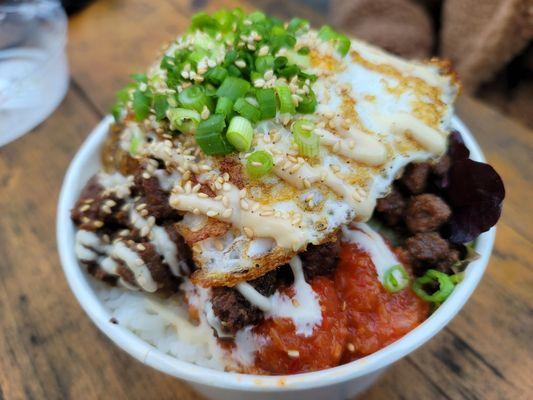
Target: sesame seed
point(140, 247)
point(144, 212)
point(196, 188)
point(144, 231)
point(203, 195)
point(244, 204)
point(240, 63)
point(350, 347)
point(307, 184)
point(84, 208)
point(98, 224)
point(293, 353)
point(211, 213)
point(227, 213)
point(249, 232)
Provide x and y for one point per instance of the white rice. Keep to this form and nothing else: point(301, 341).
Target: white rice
point(164, 324)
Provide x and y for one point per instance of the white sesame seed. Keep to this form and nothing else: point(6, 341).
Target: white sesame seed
point(227, 213)
point(249, 232)
point(203, 195)
point(350, 347)
point(240, 63)
point(211, 213)
point(293, 353)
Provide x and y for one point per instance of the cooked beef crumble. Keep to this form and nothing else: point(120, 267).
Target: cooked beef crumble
point(392, 207)
point(155, 198)
point(234, 311)
point(426, 212)
point(96, 209)
point(415, 177)
point(320, 260)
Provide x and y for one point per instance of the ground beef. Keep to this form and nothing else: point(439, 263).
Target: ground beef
point(160, 272)
point(445, 264)
point(415, 177)
point(96, 210)
point(426, 212)
point(233, 167)
point(320, 260)
point(391, 207)
point(155, 198)
point(234, 311)
point(184, 251)
point(427, 249)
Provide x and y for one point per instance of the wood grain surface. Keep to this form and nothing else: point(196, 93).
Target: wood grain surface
point(50, 350)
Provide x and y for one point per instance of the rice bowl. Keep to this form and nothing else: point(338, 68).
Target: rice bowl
point(195, 305)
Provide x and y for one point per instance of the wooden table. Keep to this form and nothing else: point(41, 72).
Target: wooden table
point(50, 350)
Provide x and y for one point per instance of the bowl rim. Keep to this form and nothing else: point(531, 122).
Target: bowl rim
point(149, 355)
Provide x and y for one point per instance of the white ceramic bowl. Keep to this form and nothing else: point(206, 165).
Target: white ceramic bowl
point(337, 383)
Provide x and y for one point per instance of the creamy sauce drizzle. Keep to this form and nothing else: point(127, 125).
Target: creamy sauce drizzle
point(372, 243)
point(303, 308)
point(162, 243)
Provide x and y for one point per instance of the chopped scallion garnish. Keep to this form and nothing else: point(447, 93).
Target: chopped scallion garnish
point(285, 99)
point(259, 163)
point(432, 276)
point(395, 279)
point(247, 110)
point(193, 97)
point(224, 106)
point(308, 142)
point(267, 102)
point(183, 120)
point(233, 87)
point(240, 133)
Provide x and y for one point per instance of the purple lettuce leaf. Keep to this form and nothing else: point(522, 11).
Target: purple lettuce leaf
point(474, 191)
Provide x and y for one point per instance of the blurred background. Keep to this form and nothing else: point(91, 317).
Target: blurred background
point(489, 41)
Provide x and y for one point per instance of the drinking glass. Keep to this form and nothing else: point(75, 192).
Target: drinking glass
point(33, 64)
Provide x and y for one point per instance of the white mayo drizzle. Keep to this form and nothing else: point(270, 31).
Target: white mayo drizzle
point(162, 243)
point(429, 138)
point(88, 246)
point(303, 308)
point(142, 274)
point(166, 180)
point(358, 146)
point(371, 242)
point(281, 230)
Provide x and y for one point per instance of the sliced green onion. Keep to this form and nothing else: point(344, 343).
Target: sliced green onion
point(233, 88)
point(193, 98)
point(395, 279)
point(267, 102)
point(304, 51)
point(308, 143)
point(259, 163)
point(139, 78)
point(264, 63)
point(216, 75)
point(308, 104)
point(302, 60)
point(215, 123)
point(204, 21)
point(224, 106)
point(343, 44)
point(160, 106)
point(210, 138)
point(280, 62)
point(432, 276)
point(240, 133)
point(183, 120)
point(327, 33)
point(285, 99)
point(247, 110)
point(297, 24)
point(141, 104)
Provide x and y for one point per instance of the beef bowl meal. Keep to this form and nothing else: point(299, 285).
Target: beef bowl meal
point(276, 211)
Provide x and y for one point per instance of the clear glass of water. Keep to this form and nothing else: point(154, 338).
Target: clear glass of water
point(33, 64)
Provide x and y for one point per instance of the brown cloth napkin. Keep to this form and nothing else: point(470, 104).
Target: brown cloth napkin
point(479, 36)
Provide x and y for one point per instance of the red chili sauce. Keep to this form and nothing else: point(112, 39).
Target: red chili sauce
point(359, 317)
